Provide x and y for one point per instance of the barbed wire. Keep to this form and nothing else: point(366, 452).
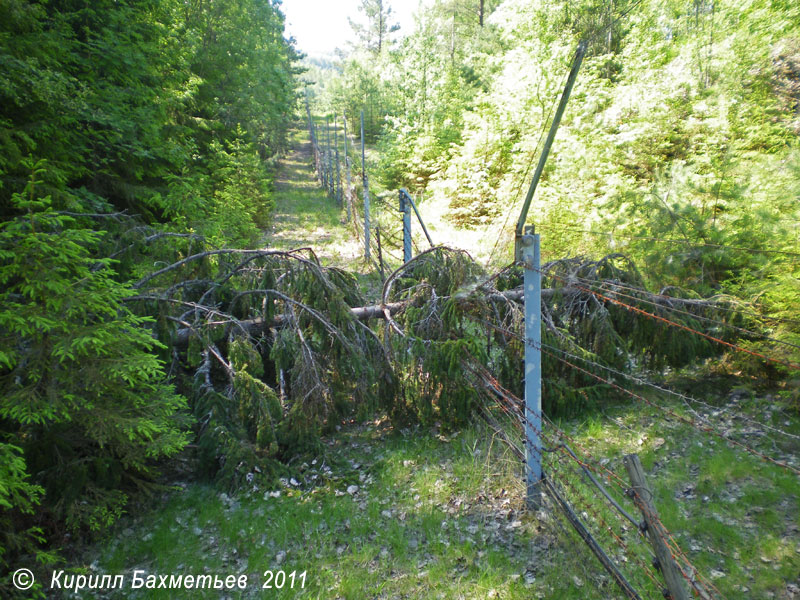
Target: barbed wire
point(678, 325)
point(684, 397)
point(587, 505)
point(514, 409)
point(664, 306)
point(718, 306)
point(683, 419)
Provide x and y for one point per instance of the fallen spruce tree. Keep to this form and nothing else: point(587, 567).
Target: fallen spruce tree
point(274, 349)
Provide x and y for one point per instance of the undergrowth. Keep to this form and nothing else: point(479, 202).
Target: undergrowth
point(413, 513)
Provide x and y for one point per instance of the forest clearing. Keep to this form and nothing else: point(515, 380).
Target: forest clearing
point(269, 330)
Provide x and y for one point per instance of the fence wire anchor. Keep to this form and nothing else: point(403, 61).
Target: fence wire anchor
point(523, 240)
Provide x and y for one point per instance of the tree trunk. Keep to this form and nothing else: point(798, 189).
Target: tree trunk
point(362, 313)
point(380, 26)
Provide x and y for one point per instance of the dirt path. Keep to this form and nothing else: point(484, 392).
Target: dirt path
point(304, 215)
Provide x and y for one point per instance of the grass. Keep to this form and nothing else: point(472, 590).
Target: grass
point(383, 212)
point(439, 516)
point(305, 216)
point(734, 515)
point(413, 527)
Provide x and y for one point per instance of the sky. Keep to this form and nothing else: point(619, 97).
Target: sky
point(321, 26)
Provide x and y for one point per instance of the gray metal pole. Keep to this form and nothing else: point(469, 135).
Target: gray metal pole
point(406, 210)
point(346, 170)
point(338, 180)
point(573, 74)
point(330, 158)
point(532, 285)
point(366, 190)
point(323, 160)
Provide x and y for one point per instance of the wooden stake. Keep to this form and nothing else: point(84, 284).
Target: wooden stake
point(607, 563)
point(643, 498)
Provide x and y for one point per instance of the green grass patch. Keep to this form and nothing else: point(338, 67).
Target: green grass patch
point(438, 516)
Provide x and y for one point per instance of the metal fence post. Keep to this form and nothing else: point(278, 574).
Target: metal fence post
point(366, 190)
point(331, 189)
point(410, 201)
point(347, 193)
point(406, 210)
point(338, 179)
point(532, 285)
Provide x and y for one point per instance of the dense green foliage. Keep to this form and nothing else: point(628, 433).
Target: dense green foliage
point(128, 131)
point(83, 394)
point(146, 106)
point(263, 394)
point(678, 147)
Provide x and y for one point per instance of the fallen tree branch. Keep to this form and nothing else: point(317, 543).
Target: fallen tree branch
point(198, 256)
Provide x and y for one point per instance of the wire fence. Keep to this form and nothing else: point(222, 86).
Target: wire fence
point(596, 501)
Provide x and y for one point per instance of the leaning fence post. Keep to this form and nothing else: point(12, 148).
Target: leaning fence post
point(643, 498)
point(526, 251)
point(532, 284)
point(366, 191)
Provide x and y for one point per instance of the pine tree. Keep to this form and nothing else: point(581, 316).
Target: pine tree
point(375, 33)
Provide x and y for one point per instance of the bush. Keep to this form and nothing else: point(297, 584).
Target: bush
point(82, 394)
